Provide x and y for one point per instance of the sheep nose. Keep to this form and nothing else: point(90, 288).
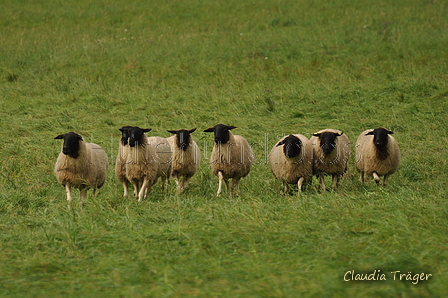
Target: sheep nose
point(327, 149)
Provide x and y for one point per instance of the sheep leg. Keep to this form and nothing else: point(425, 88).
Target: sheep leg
point(68, 190)
point(299, 184)
point(376, 178)
point(163, 184)
point(336, 180)
point(83, 195)
point(126, 189)
point(176, 179)
point(184, 183)
point(235, 186)
point(136, 188)
point(322, 183)
point(143, 190)
point(385, 180)
point(220, 179)
point(285, 188)
point(362, 177)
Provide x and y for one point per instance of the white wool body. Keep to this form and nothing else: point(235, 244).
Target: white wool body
point(335, 163)
point(231, 160)
point(87, 170)
point(292, 170)
point(147, 162)
point(368, 161)
point(184, 163)
point(120, 167)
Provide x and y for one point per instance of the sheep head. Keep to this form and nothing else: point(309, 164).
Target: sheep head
point(328, 140)
point(380, 138)
point(136, 135)
point(292, 146)
point(183, 137)
point(221, 132)
point(124, 134)
point(71, 143)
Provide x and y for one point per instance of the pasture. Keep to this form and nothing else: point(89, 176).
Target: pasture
point(268, 67)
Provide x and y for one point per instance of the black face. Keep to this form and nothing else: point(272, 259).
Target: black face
point(221, 133)
point(380, 138)
point(183, 137)
point(292, 146)
point(71, 144)
point(136, 135)
point(124, 134)
point(327, 141)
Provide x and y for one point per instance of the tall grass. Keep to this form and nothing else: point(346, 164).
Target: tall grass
point(268, 67)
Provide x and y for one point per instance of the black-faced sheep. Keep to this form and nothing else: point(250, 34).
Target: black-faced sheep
point(331, 152)
point(377, 154)
point(81, 165)
point(120, 163)
point(291, 160)
point(186, 156)
point(231, 157)
point(148, 159)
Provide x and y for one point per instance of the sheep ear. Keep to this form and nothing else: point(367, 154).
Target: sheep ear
point(172, 131)
point(370, 133)
point(192, 130)
point(211, 129)
point(389, 132)
point(59, 137)
point(280, 143)
point(230, 127)
point(146, 129)
point(338, 134)
point(317, 135)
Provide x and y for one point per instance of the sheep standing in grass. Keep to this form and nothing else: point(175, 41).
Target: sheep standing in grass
point(120, 163)
point(81, 165)
point(331, 152)
point(186, 156)
point(291, 161)
point(163, 158)
point(147, 160)
point(231, 158)
point(377, 154)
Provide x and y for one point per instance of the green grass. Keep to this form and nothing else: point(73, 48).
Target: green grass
point(268, 67)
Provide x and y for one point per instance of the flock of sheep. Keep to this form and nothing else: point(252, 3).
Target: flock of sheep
point(293, 160)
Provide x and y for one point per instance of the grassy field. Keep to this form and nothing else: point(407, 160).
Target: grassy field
point(268, 67)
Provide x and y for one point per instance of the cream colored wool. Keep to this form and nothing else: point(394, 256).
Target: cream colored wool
point(86, 171)
point(148, 162)
point(367, 162)
point(335, 163)
point(184, 163)
point(295, 170)
point(232, 160)
point(120, 167)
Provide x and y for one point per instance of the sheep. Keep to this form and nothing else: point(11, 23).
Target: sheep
point(377, 154)
point(163, 158)
point(186, 156)
point(231, 157)
point(120, 163)
point(148, 159)
point(81, 165)
point(331, 152)
point(291, 160)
